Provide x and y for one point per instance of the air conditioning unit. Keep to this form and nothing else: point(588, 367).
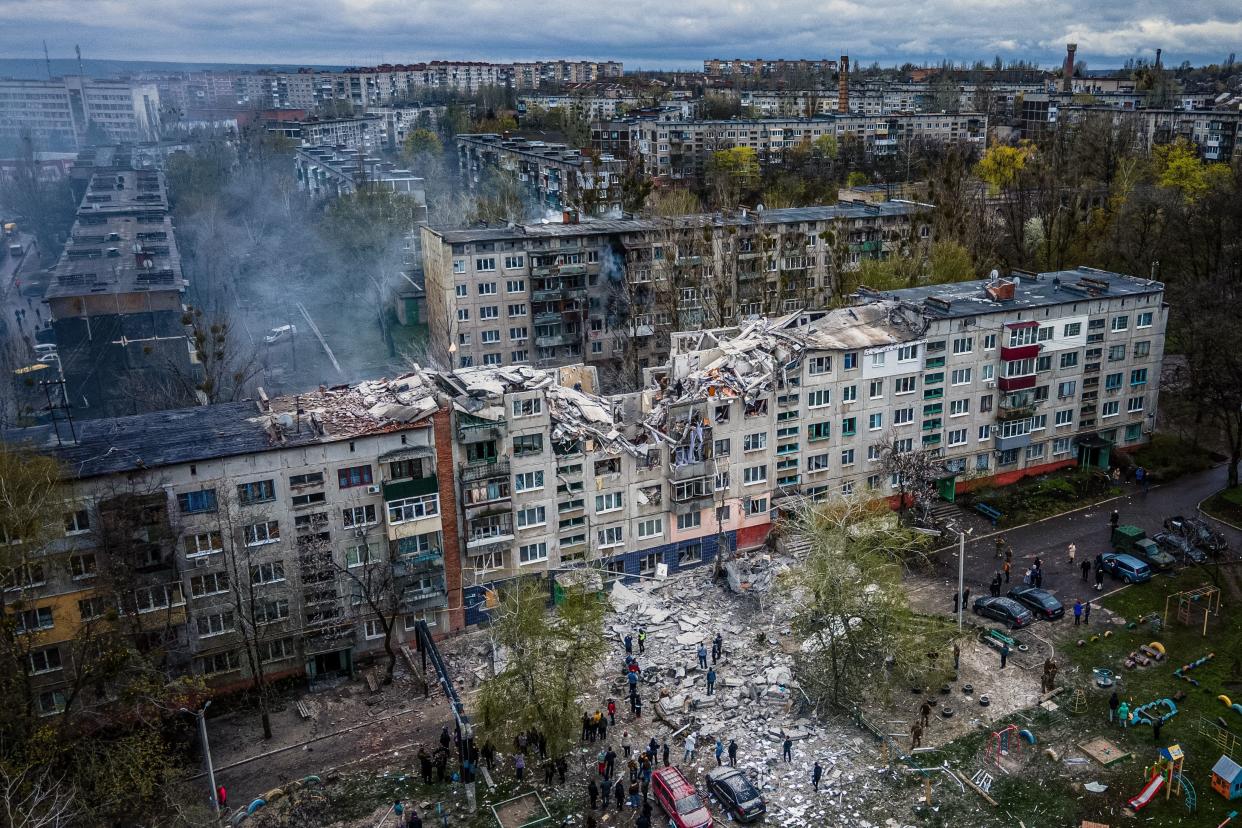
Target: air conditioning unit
point(200, 563)
point(373, 489)
point(990, 384)
point(360, 532)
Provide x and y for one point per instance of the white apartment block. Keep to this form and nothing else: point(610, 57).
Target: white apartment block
point(607, 289)
point(59, 113)
point(557, 176)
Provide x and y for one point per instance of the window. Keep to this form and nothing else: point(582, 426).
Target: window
point(985, 432)
point(1007, 457)
point(873, 482)
point(876, 421)
point(878, 359)
point(490, 337)
point(212, 583)
point(528, 481)
point(1067, 389)
point(91, 608)
point(817, 462)
point(217, 624)
point(720, 448)
point(354, 476)
point(819, 398)
point(463, 314)
point(308, 499)
point(487, 288)
point(989, 342)
point(485, 264)
point(527, 444)
point(83, 566)
point(1060, 446)
point(1137, 377)
point(203, 500)
point(752, 475)
point(267, 573)
point(819, 365)
point(531, 517)
point(957, 408)
point(982, 462)
point(358, 516)
point(849, 426)
point(277, 650)
point(1143, 320)
point(693, 520)
point(1069, 360)
point(518, 356)
point(849, 394)
point(256, 534)
point(513, 262)
point(77, 522)
point(413, 508)
point(877, 389)
point(903, 416)
point(1045, 333)
point(987, 372)
point(1111, 409)
point(1113, 381)
point(1043, 363)
point(609, 502)
point(460, 291)
point(650, 528)
point(904, 385)
point(459, 266)
point(517, 310)
point(519, 333)
point(756, 506)
point(1134, 405)
point(611, 536)
point(755, 442)
point(203, 543)
point(963, 345)
point(1063, 417)
point(1022, 336)
point(308, 479)
point(1035, 451)
point(52, 702)
point(907, 353)
point(269, 612)
point(957, 437)
point(721, 480)
point(219, 663)
point(1020, 367)
point(1120, 323)
point(1116, 353)
point(430, 617)
point(849, 361)
point(260, 491)
point(373, 628)
point(1142, 350)
point(529, 407)
point(960, 376)
point(45, 661)
point(690, 555)
point(1071, 329)
point(489, 312)
point(34, 619)
point(1133, 432)
point(903, 446)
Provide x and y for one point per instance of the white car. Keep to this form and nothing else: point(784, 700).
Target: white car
point(281, 334)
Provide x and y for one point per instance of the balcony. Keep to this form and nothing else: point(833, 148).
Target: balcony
point(686, 471)
point(1015, 441)
point(483, 469)
point(423, 597)
point(550, 318)
point(432, 561)
point(933, 393)
point(697, 503)
point(401, 489)
point(1008, 384)
point(1010, 353)
point(933, 379)
point(934, 362)
point(552, 340)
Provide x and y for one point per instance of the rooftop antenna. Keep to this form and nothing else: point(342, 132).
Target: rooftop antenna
point(78, 49)
point(47, 59)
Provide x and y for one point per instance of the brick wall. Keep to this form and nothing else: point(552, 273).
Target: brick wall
point(446, 474)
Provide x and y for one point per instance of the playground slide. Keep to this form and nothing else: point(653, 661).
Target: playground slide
point(1148, 793)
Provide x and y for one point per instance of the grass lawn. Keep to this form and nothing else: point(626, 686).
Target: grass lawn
point(1226, 505)
point(1044, 496)
point(1168, 457)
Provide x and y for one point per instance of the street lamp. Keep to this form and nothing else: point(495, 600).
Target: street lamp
point(961, 570)
point(202, 735)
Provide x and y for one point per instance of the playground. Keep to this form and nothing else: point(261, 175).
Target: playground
point(1060, 762)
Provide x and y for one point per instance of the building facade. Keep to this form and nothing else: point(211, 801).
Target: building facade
point(65, 113)
point(556, 176)
point(610, 292)
point(329, 172)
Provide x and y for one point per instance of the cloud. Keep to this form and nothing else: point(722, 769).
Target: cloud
point(650, 33)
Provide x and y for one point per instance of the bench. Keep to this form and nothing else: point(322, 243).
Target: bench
point(372, 682)
point(990, 512)
point(304, 711)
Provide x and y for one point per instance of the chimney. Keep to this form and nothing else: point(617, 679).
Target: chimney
point(569, 216)
point(843, 85)
point(1158, 52)
point(1067, 71)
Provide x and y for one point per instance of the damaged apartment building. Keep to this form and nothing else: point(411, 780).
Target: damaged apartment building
point(438, 488)
point(610, 292)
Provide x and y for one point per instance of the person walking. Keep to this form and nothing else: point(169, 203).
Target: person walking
point(1039, 578)
point(787, 749)
point(612, 711)
point(720, 749)
point(916, 735)
point(817, 773)
point(222, 797)
point(645, 777)
point(1140, 478)
point(625, 744)
point(717, 648)
point(1085, 566)
point(957, 657)
point(653, 748)
point(1005, 569)
point(605, 794)
point(610, 762)
point(629, 644)
point(702, 656)
point(593, 792)
point(636, 704)
point(966, 599)
point(519, 766)
point(1114, 519)
point(562, 767)
point(587, 727)
point(1077, 612)
point(925, 712)
point(549, 771)
point(1004, 653)
point(711, 680)
point(634, 794)
point(618, 795)
point(1099, 578)
point(1113, 703)
point(1086, 612)
point(957, 599)
point(1071, 552)
point(733, 753)
point(1123, 714)
point(398, 809)
point(665, 749)
point(689, 748)
point(603, 728)
point(642, 640)
point(1000, 547)
point(424, 765)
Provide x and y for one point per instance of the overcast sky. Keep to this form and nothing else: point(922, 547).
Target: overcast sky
point(643, 33)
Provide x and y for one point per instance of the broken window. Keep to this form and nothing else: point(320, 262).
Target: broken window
point(757, 408)
point(610, 466)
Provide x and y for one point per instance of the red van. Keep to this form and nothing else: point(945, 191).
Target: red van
point(679, 799)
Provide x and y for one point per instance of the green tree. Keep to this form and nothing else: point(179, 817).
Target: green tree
point(857, 178)
point(1179, 168)
point(950, 262)
point(1002, 164)
point(732, 173)
point(549, 658)
point(421, 142)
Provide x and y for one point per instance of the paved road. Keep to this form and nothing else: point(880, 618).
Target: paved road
point(1089, 530)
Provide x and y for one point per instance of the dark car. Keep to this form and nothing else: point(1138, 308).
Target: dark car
point(1199, 532)
point(1126, 567)
point(1039, 601)
point(1004, 609)
point(1180, 547)
point(736, 793)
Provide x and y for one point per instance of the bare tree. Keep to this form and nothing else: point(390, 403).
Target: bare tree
point(37, 798)
point(914, 470)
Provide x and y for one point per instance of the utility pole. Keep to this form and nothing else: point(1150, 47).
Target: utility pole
point(202, 735)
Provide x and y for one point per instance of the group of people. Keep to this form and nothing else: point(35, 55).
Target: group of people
point(631, 787)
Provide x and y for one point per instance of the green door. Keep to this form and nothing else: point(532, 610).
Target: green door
point(946, 487)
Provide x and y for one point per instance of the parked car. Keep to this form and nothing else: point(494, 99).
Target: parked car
point(1199, 531)
point(280, 334)
point(1126, 567)
point(736, 793)
point(1134, 541)
point(1006, 610)
point(1041, 602)
point(679, 799)
point(1180, 547)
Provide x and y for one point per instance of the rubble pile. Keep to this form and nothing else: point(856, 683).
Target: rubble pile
point(757, 702)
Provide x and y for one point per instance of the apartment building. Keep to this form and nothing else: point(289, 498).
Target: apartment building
point(289, 531)
point(361, 132)
point(760, 67)
point(680, 150)
point(65, 113)
point(556, 176)
point(1215, 132)
point(116, 298)
point(606, 291)
point(330, 172)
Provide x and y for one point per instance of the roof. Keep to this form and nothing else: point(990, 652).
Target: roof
point(828, 212)
point(1227, 769)
point(118, 255)
point(1031, 290)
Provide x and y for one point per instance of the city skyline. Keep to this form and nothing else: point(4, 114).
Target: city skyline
point(368, 32)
